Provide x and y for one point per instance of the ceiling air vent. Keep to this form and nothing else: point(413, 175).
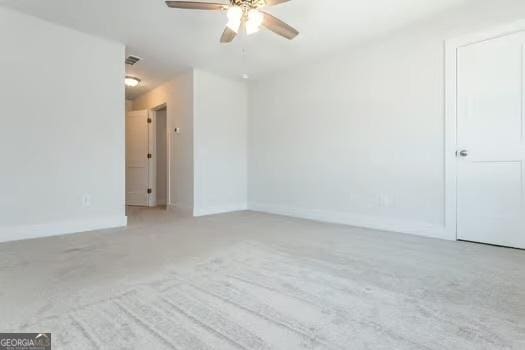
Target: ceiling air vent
point(131, 60)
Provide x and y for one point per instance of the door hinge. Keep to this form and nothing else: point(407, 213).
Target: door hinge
point(149, 155)
point(149, 191)
point(149, 120)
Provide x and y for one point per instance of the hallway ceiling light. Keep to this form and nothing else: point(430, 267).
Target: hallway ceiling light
point(242, 12)
point(131, 81)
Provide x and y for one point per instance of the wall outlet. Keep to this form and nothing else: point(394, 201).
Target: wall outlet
point(86, 200)
point(177, 130)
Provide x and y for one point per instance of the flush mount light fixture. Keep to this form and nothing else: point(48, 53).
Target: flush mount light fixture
point(131, 81)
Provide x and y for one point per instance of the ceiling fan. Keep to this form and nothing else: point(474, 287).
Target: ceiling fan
point(245, 13)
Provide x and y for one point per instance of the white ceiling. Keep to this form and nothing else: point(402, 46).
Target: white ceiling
point(172, 40)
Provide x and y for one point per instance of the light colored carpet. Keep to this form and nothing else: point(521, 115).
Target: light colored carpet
point(256, 281)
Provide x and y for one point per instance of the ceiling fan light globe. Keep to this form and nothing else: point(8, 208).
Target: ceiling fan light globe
point(255, 17)
point(234, 13)
point(234, 25)
point(252, 27)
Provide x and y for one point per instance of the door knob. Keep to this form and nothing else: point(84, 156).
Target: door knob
point(462, 153)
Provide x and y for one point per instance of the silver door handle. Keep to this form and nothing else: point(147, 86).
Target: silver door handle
point(462, 153)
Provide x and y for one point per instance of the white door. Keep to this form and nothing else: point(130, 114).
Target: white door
point(137, 162)
point(491, 145)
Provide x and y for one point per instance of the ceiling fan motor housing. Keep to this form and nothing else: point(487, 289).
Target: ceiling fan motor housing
point(249, 3)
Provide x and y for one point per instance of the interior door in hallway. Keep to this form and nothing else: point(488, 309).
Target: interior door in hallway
point(490, 136)
point(137, 162)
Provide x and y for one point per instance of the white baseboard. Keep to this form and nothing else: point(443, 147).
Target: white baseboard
point(16, 233)
point(181, 209)
point(219, 210)
point(357, 220)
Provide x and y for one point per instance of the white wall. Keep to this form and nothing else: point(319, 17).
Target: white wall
point(178, 97)
point(129, 106)
point(220, 144)
point(62, 133)
point(359, 138)
point(209, 155)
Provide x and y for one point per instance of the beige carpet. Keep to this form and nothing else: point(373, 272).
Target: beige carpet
point(288, 284)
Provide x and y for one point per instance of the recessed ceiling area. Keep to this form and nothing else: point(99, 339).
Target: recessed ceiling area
point(172, 40)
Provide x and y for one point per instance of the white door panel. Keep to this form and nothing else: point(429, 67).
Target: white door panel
point(137, 165)
point(490, 127)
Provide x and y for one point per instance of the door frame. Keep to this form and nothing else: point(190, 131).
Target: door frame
point(153, 161)
point(451, 74)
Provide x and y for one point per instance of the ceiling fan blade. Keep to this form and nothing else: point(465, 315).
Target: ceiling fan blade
point(228, 35)
point(192, 5)
point(275, 2)
point(279, 27)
